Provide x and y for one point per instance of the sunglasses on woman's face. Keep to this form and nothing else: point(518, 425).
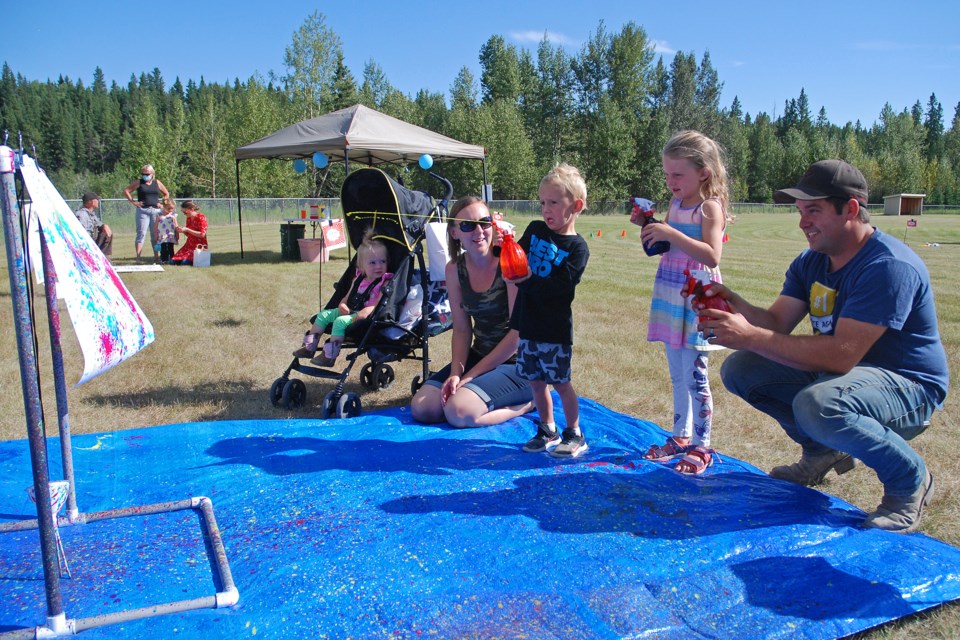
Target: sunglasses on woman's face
point(469, 225)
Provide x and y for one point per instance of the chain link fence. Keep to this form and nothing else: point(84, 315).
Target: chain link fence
point(224, 211)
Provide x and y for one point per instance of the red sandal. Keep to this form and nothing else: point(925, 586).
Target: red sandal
point(696, 461)
point(667, 451)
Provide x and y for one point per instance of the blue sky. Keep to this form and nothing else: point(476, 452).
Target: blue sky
point(850, 57)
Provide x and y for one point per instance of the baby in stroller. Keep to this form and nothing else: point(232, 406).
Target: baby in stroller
point(359, 303)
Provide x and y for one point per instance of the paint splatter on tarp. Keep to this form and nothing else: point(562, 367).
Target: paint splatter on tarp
point(378, 527)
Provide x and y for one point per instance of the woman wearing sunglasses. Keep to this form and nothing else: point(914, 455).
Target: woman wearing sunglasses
point(480, 386)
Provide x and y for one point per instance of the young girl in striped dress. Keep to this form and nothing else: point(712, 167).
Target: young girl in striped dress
point(694, 170)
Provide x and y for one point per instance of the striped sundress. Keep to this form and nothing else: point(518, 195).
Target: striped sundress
point(672, 318)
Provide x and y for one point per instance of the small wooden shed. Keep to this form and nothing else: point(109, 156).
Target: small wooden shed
point(903, 204)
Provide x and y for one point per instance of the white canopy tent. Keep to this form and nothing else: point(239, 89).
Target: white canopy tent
point(360, 134)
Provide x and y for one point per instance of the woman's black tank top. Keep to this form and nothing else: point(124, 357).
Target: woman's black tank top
point(149, 194)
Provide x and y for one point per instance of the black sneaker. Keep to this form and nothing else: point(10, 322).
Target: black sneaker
point(571, 446)
point(544, 439)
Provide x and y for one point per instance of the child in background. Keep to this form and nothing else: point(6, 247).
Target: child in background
point(358, 304)
point(542, 313)
point(195, 230)
point(167, 235)
point(696, 176)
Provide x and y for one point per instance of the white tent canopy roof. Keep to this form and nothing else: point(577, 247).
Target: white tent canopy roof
point(358, 134)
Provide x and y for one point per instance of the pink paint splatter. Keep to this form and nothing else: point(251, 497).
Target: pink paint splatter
point(107, 344)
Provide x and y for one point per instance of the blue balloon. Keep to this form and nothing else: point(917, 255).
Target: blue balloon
point(320, 160)
point(426, 161)
point(299, 165)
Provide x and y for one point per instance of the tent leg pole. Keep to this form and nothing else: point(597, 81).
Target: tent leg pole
point(239, 210)
point(483, 189)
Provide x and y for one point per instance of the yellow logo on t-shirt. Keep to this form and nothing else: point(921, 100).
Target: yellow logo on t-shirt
point(822, 299)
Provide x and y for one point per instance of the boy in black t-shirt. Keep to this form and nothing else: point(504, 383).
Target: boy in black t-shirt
point(542, 312)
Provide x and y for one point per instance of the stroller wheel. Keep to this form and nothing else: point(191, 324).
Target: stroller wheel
point(366, 376)
point(349, 406)
point(384, 376)
point(294, 393)
point(415, 385)
point(276, 391)
point(330, 405)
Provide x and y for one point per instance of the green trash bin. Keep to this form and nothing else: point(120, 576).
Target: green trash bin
point(289, 234)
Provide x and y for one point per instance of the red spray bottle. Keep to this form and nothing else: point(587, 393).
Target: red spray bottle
point(513, 261)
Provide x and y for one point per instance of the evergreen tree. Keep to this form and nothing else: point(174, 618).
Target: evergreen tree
point(933, 123)
point(683, 88)
point(951, 140)
point(735, 140)
point(12, 104)
point(916, 112)
point(797, 156)
point(344, 90)
point(822, 121)
point(897, 145)
point(432, 110)
point(375, 87)
point(766, 158)
point(803, 112)
point(707, 98)
point(463, 92)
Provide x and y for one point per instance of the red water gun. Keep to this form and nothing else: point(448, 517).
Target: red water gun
point(696, 287)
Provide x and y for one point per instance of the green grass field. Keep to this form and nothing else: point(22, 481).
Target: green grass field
point(225, 333)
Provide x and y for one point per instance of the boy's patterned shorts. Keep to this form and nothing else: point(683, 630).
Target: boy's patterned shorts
point(546, 361)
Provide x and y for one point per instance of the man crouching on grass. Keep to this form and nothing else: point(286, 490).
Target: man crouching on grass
point(873, 371)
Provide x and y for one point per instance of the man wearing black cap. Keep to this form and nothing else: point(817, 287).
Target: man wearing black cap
point(89, 217)
point(870, 375)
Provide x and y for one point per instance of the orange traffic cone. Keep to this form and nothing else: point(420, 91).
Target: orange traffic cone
point(598, 233)
point(623, 234)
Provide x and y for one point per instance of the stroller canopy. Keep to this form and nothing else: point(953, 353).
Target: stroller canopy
point(372, 199)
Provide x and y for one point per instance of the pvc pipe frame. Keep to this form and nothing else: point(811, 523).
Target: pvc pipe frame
point(59, 626)
point(57, 623)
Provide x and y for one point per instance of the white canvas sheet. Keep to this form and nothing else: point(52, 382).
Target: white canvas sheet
point(109, 323)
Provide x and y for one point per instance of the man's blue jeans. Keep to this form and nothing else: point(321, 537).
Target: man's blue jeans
point(869, 413)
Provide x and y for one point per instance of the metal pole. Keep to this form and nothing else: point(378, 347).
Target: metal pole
point(16, 267)
point(484, 160)
point(60, 385)
point(239, 210)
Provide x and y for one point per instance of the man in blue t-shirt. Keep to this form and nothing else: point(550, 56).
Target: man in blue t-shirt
point(874, 369)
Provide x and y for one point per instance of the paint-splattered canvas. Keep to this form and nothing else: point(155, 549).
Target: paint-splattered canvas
point(109, 323)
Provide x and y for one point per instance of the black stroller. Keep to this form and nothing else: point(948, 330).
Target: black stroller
point(399, 218)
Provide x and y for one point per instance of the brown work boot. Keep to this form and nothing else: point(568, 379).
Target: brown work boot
point(902, 513)
point(811, 470)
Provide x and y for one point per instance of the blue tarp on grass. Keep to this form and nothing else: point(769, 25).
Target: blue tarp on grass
point(378, 527)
